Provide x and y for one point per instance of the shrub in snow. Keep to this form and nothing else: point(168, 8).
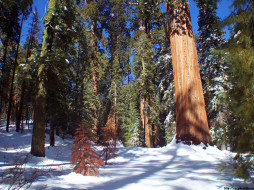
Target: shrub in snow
point(84, 157)
point(17, 177)
point(108, 142)
point(242, 166)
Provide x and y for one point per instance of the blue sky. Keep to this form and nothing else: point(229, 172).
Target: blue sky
point(223, 11)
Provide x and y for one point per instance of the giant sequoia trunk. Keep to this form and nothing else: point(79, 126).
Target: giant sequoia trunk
point(191, 118)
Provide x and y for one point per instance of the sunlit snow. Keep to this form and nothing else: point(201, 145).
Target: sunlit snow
point(173, 167)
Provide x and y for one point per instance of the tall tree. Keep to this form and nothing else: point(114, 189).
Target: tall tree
point(92, 13)
point(213, 69)
point(38, 139)
point(23, 9)
point(10, 29)
point(116, 26)
point(191, 118)
point(144, 43)
point(26, 74)
point(240, 54)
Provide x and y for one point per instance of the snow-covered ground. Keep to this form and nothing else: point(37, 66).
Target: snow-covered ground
point(174, 167)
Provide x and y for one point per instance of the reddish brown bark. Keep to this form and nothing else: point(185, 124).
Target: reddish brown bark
point(144, 123)
point(143, 114)
point(94, 66)
point(112, 121)
point(156, 132)
point(191, 119)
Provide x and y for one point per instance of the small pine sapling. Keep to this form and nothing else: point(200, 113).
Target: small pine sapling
point(84, 156)
point(108, 142)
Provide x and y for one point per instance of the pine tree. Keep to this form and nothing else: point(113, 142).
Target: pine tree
point(239, 52)
point(166, 94)
point(84, 156)
point(91, 11)
point(58, 71)
point(109, 142)
point(11, 14)
point(26, 73)
point(191, 118)
point(115, 24)
point(213, 69)
point(130, 131)
point(23, 9)
point(144, 43)
point(240, 55)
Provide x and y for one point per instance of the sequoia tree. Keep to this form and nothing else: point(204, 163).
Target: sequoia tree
point(191, 118)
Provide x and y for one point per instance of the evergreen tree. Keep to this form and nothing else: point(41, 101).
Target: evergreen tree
point(144, 68)
point(239, 52)
point(213, 69)
point(10, 27)
point(115, 13)
point(27, 71)
point(130, 131)
point(84, 156)
point(240, 55)
point(166, 95)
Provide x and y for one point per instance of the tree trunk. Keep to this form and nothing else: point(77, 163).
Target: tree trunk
point(52, 130)
point(3, 79)
point(144, 122)
point(38, 141)
point(12, 78)
point(20, 109)
point(191, 119)
point(143, 113)
point(112, 121)
point(94, 66)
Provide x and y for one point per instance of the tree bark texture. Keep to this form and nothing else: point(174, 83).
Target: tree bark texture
point(38, 140)
point(20, 107)
point(144, 122)
point(94, 66)
point(191, 118)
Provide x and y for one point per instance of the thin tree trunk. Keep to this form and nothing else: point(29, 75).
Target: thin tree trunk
point(20, 110)
point(3, 78)
point(94, 66)
point(52, 130)
point(143, 113)
point(12, 79)
point(144, 122)
point(24, 86)
point(191, 118)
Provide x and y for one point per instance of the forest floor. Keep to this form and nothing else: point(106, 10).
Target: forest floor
point(173, 167)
